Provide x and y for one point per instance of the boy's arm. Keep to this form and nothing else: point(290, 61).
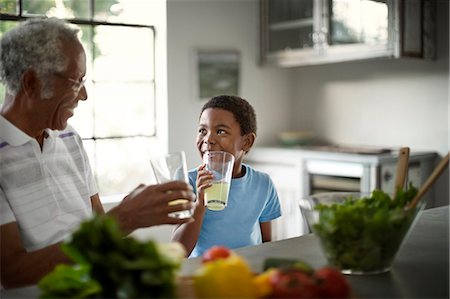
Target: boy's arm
point(266, 231)
point(187, 233)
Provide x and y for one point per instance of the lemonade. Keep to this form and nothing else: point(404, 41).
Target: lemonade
point(180, 214)
point(172, 167)
point(216, 196)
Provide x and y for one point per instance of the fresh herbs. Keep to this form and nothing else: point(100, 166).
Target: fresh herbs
point(107, 265)
point(364, 234)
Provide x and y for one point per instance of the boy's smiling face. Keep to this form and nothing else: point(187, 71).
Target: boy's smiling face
point(218, 130)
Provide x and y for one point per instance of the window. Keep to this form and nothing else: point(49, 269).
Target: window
point(121, 123)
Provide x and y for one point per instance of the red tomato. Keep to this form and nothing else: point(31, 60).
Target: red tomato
point(293, 283)
point(215, 253)
point(332, 283)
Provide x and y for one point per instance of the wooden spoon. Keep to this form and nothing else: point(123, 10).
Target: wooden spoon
point(436, 173)
point(402, 168)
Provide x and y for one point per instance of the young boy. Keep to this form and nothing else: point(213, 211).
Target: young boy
point(228, 123)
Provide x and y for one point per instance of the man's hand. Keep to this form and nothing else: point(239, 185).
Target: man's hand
point(149, 205)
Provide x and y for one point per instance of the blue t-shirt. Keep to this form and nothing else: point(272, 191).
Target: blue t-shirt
point(252, 199)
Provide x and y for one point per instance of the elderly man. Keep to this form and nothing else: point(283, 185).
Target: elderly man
point(46, 183)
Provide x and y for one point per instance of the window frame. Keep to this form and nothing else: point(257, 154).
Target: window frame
point(160, 130)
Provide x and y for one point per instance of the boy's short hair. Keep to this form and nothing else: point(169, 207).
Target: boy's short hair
point(242, 110)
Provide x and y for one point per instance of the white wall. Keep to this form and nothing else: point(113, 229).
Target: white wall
point(389, 102)
point(382, 103)
point(220, 24)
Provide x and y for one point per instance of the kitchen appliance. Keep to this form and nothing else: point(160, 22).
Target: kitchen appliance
point(361, 170)
point(300, 171)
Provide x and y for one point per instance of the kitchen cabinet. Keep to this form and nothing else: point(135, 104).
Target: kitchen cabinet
point(300, 171)
point(304, 32)
point(286, 174)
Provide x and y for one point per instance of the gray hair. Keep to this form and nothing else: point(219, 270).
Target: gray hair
point(35, 44)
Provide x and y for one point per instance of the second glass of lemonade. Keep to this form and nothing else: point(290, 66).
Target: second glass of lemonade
point(172, 167)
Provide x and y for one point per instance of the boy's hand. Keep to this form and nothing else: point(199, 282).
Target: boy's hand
point(204, 180)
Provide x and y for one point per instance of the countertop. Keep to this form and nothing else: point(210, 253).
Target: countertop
point(334, 153)
point(420, 270)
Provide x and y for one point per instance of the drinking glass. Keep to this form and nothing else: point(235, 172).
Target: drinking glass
point(172, 167)
point(221, 164)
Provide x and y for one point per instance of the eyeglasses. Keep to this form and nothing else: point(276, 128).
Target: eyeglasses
point(76, 85)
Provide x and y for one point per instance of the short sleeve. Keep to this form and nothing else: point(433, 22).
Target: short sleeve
point(90, 179)
point(272, 209)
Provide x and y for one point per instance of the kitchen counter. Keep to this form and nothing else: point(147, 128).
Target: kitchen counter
point(335, 153)
point(420, 270)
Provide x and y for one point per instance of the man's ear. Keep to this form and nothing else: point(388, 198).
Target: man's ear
point(249, 140)
point(31, 85)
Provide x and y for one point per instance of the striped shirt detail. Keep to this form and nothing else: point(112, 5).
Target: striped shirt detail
point(46, 192)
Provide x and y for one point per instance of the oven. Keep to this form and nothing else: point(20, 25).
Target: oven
point(337, 176)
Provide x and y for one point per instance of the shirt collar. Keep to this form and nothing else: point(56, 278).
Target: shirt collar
point(11, 134)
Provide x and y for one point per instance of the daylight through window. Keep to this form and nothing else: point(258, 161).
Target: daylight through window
point(118, 121)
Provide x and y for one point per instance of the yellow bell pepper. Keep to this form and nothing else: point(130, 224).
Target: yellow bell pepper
point(262, 283)
point(225, 278)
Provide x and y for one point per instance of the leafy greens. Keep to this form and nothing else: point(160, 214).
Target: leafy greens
point(364, 234)
point(107, 265)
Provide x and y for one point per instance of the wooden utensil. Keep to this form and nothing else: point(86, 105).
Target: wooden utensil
point(402, 168)
point(431, 179)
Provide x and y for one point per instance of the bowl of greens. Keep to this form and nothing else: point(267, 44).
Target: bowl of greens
point(361, 233)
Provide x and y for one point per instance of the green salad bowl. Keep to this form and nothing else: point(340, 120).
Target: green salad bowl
point(361, 233)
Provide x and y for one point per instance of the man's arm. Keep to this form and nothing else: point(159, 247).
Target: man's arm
point(19, 267)
point(146, 206)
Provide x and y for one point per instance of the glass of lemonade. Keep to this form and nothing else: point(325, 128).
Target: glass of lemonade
point(172, 167)
point(221, 164)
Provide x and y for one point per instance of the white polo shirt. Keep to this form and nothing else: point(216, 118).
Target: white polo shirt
point(46, 192)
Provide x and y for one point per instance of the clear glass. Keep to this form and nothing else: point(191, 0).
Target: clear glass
point(172, 167)
point(290, 10)
point(361, 238)
point(290, 24)
point(221, 165)
point(289, 39)
point(364, 21)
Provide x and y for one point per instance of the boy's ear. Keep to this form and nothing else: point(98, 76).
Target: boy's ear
point(249, 140)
